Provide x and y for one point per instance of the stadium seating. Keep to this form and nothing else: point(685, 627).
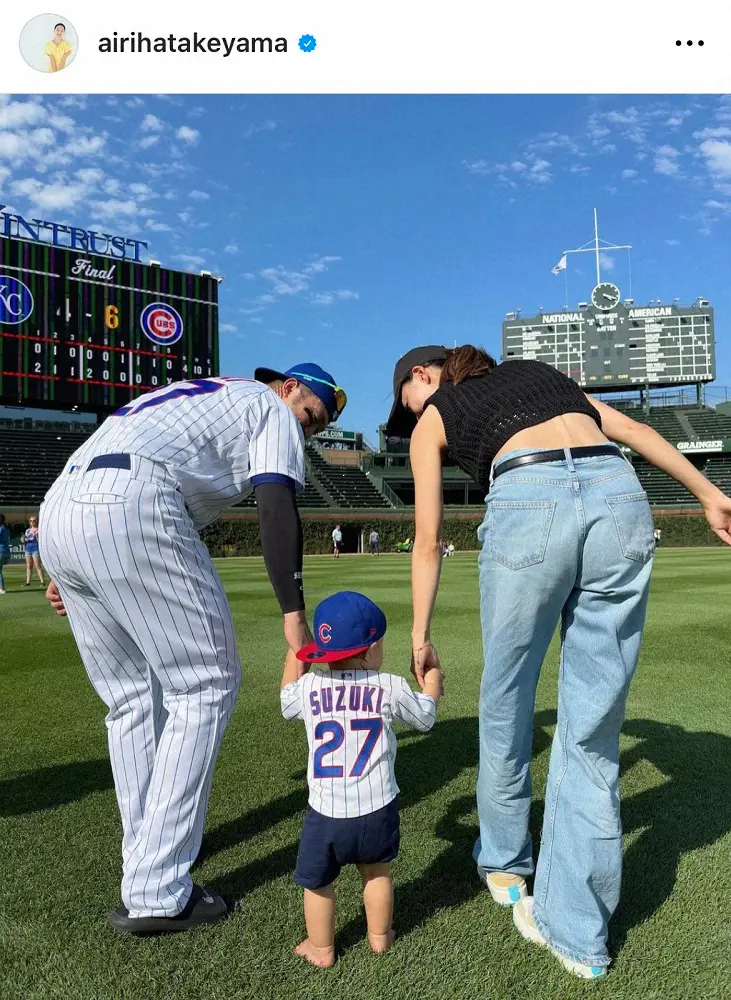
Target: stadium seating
point(708, 424)
point(30, 460)
point(348, 486)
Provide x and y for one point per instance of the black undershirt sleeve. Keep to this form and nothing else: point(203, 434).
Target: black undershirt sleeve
point(280, 530)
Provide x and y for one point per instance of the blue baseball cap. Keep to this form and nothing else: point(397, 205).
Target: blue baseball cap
point(316, 379)
point(345, 624)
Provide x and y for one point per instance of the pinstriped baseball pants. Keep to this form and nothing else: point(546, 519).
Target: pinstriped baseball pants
point(154, 630)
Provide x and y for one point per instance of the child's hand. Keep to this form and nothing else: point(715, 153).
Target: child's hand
point(433, 681)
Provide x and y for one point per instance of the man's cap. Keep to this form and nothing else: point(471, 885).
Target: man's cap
point(310, 375)
point(344, 625)
point(401, 422)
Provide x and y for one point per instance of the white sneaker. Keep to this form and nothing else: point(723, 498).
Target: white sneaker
point(523, 920)
point(505, 888)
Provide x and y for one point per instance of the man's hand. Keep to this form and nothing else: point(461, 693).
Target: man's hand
point(296, 630)
point(718, 515)
point(53, 596)
point(424, 658)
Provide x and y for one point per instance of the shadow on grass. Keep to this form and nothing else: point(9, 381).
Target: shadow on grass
point(690, 810)
point(54, 786)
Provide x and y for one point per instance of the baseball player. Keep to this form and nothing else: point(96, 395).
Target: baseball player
point(120, 537)
point(349, 709)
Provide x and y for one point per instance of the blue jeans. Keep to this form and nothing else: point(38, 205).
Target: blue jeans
point(4, 558)
point(570, 540)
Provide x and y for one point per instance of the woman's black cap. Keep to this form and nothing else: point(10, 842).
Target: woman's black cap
point(401, 421)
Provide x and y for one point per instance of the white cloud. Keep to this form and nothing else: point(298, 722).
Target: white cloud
point(114, 207)
point(248, 276)
point(578, 168)
point(142, 191)
point(328, 298)
point(227, 328)
point(85, 146)
point(718, 156)
point(187, 134)
point(158, 227)
point(19, 114)
point(151, 123)
point(49, 197)
point(232, 248)
point(4, 174)
point(148, 141)
point(673, 243)
point(199, 196)
point(74, 101)
point(90, 175)
point(190, 259)
point(606, 262)
point(627, 175)
point(666, 160)
point(135, 102)
point(267, 126)
point(479, 167)
point(722, 132)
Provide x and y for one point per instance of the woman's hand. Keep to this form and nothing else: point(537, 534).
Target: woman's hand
point(53, 596)
point(424, 658)
point(718, 515)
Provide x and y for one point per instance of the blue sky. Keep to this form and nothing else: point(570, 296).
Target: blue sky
point(350, 228)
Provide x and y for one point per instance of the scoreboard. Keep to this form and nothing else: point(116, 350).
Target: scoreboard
point(613, 344)
point(94, 332)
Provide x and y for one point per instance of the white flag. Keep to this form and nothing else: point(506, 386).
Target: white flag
point(561, 266)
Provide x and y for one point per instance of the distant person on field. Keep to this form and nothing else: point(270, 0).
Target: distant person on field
point(658, 535)
point(373, 540)
point(32, 554)
point(349, 708)
point(57, 50)
point(450, 548)
point(337, 541)
point(4, 550)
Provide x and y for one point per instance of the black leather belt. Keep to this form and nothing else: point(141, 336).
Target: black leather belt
point(557, 455)
point(119, 461)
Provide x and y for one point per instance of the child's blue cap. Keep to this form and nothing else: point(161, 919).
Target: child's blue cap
point(345, 624)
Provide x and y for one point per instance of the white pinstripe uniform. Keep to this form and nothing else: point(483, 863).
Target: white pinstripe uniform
point(147, 608)
point(349, 717)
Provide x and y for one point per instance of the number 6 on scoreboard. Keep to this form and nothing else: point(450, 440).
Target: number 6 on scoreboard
point(111, 317)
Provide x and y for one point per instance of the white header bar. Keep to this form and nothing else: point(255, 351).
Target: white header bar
point(399, 46)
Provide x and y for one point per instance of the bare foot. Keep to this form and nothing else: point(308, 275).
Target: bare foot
point(324, 957)
point(381, 942)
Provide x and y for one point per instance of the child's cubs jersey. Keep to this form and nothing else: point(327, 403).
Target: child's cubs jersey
point(349, 716)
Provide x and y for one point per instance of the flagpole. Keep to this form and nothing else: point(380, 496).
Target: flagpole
point(566, 279)
point(596, 245)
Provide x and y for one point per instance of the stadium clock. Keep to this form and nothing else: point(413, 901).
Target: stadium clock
point(605, 296)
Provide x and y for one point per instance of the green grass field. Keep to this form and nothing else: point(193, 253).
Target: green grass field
point(60, 833)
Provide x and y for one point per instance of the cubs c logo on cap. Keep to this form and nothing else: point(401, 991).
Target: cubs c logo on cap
point(161, 323)
point(324, 633)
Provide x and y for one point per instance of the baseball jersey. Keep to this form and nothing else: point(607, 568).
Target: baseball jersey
point(349, 717)
point(337, 535)
point(214, 436)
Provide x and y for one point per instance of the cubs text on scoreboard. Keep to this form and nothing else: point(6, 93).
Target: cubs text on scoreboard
point(95, 331)
point(610, 343)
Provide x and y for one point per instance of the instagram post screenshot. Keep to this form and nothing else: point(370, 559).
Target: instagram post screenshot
point(365, 501)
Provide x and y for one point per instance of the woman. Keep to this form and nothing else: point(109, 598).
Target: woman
point(32, 555)
point(4, 550)
point(567, 534)
point(58, 49)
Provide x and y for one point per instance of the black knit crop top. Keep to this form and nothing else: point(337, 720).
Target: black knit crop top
point(482, 413)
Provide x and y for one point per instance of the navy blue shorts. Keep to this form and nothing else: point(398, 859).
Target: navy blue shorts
point(327, 844)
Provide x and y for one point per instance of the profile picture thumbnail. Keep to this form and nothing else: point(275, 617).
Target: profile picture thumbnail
point(49, 43)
